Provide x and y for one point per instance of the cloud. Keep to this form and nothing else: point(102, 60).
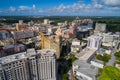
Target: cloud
point(26, 8)
point(60, 8)
point(80, 8)
point(98, 6)
point(21, 8)
point(95, 7)
point(114, 8)
point(12, 9)
point(34, 6)
point(41, 11)
point(112, 2)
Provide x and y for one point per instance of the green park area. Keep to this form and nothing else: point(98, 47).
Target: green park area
point(110, 73)
point(117, 55)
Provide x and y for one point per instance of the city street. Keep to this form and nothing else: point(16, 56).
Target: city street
point(112, 60)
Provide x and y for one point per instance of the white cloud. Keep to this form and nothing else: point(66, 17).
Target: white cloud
point(21, 8)
point(41, 11)
point(34, 6)
point(114, 8)
point(98, 6)
point(28, 8)
point(112, 2)
point(79, 8)
point(89, 6)
point(12, 9)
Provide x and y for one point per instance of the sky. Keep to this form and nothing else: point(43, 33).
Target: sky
point(60, 7)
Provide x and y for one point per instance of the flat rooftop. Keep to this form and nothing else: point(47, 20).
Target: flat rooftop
point(46, 52)
point(85, 54)
point(85, 68)
point(16, 57)
point(29, 53)
point(12, 58)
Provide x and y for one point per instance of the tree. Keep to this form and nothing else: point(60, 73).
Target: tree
point(31, 45)
point(99, 57)
point(110, 73)
point(38, 47)
point(62, 59)
point(77, 51)
point(104, 58)
point(65, 77)
point(117, 54)
point(71, 60)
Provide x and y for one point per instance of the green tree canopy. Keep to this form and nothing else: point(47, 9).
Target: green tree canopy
point(110, 73)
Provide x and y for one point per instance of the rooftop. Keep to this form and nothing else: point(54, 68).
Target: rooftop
point(85, 68)
point(85, 54)
point(95, 37)
point(46, 52)
point(29, 53)
point(12, 58)
point(18, 56)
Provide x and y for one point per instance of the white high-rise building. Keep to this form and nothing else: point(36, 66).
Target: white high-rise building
point(94, 42)
point(46, 61)
point(42, 65)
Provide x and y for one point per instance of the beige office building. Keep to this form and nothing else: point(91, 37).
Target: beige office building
point(29, 65)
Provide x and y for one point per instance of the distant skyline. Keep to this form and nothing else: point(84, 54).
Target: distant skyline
point(60, 7)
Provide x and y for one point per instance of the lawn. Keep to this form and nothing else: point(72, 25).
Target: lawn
point(110, 73)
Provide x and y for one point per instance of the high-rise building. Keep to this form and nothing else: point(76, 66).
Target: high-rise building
point(53, 43)
point(100, 27)
point(46, 64)
point(2, 76)
point(13, 67)
point(32, 65)
point(94, 42)
point(29, 65)
point(42, 65)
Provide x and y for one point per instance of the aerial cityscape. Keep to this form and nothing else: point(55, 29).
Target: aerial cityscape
point(60, 40)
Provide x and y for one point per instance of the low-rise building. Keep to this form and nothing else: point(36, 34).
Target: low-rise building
point(21, 25)
point(12, 49)
point(86, 54)
point(6, 37)
point(84, 71)
point(107, 38)
point(97, 63)
point(2, 52)
point(23, 34)
point(75, 46)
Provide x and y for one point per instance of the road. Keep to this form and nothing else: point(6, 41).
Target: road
point(112, 60)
